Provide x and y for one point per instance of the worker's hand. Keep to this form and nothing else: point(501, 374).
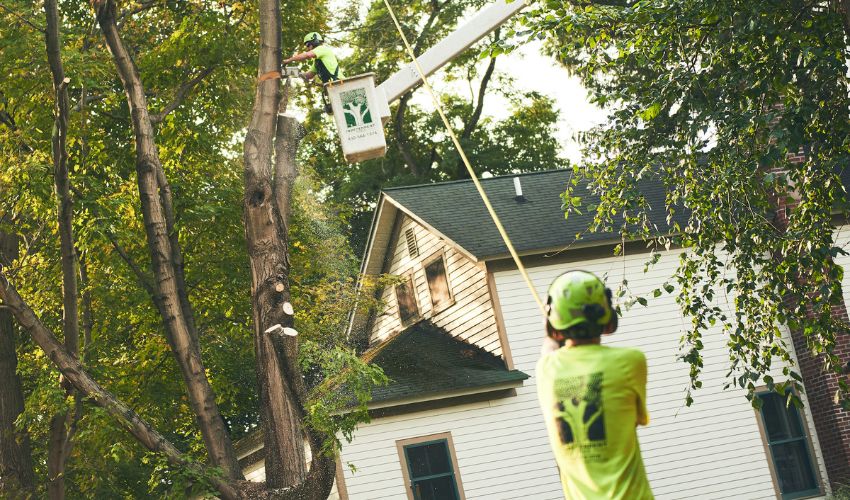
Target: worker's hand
point(305, 77)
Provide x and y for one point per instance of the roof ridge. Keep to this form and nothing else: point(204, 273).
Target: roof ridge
point(462, 181)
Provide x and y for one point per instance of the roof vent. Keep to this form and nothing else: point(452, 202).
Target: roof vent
point(412, 247)
point(518, 189)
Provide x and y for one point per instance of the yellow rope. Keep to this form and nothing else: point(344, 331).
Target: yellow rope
point(484, 197)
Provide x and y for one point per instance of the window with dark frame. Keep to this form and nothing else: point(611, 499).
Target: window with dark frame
point(406, 296)
point(789, 448)
point(438, 283)
point(432, 476)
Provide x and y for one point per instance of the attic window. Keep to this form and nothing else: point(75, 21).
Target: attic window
point(406, 297)
point(412, 247)
point(438, 284)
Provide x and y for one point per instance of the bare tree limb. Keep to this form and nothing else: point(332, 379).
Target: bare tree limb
point(62, 423)
point(167, 262)
point(401, 136)
point(73, 371)
point(181, 94)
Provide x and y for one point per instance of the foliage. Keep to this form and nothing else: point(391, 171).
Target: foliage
point(172, 42)
point(523, 141)
point(717, 100)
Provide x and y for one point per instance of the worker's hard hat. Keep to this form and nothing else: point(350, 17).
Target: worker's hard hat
point(313, 38)
point(577, 297)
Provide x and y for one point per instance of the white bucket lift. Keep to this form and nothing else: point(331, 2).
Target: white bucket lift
point(361, 109)
point(357, 113)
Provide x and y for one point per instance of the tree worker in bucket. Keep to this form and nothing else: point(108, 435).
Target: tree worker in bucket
point(592, 396)
point(325, 66)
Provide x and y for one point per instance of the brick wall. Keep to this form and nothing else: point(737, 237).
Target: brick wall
point(832, 423)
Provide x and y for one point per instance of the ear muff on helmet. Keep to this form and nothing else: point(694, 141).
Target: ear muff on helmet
point(614, 321)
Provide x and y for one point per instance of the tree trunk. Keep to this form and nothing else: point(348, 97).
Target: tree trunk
point(475, 117)
point(16, 472)
point(266, 204)
point(61, 423)
point(167, 263)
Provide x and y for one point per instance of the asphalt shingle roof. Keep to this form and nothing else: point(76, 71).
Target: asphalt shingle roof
point(425, 359)
point(456, 210)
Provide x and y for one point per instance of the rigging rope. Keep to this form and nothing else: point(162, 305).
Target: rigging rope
point(472, 175)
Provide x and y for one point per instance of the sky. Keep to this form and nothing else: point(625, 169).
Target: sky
point(532, 70)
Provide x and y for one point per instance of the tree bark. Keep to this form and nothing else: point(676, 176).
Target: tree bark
point(266, 204)
point(267, 249)
point(16, 472)
point(165, 255)
point(61, 423)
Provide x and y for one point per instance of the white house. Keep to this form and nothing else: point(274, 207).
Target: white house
point(460, 337)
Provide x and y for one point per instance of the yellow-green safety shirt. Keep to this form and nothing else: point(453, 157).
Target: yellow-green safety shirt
point(325, 54)
point(593, 397)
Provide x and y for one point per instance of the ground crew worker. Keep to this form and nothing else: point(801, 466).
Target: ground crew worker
point(592, 396)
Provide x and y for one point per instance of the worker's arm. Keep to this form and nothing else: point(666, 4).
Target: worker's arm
point(301, 56)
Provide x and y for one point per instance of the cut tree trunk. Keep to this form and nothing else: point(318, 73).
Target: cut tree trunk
point(16, 472)
point(267, 200)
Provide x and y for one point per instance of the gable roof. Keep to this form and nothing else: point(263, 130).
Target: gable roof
point(424, 362)
point(535, 225)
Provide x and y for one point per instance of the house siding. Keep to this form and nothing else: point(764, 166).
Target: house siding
point(710, 450)
point(469, 318)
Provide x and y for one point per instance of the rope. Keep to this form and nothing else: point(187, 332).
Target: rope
point(472, 175)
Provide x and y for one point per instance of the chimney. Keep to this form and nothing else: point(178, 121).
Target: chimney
point(518, 190)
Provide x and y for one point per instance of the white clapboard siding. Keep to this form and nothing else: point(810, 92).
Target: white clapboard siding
point(681, 444)
point(469, 318)
point(712, 449)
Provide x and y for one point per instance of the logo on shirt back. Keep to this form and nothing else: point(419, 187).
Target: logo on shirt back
point(581, 422)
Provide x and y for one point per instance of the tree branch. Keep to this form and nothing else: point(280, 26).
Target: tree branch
point(22, 18)
point(73, 371)
point(401, 137)
point(165, 253)
point(181, 94)
point(63, 423)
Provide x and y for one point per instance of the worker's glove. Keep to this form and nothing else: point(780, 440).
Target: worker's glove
point(304, 77)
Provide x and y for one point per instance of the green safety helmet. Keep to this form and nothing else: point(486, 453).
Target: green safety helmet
point(579, 297)
point(313, 38)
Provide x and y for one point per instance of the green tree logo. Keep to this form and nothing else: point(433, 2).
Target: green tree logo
point(355, 105)
point(579, 409)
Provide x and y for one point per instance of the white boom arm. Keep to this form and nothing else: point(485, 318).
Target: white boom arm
point(483, 22)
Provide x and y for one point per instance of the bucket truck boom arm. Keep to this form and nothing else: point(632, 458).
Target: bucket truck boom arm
point(482, 22)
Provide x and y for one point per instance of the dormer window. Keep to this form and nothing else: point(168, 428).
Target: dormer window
point(406, 297)
point(438, 284)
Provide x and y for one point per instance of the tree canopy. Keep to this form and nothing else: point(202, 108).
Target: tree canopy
point(741, 110)
point(418, 148)
point(198, 63)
